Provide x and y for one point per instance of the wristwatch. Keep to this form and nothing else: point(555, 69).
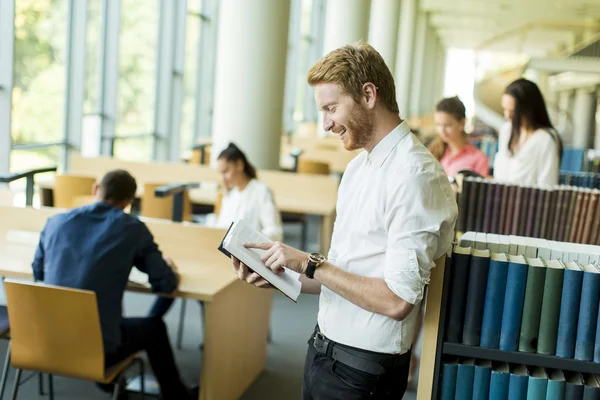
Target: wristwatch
point(314, 261)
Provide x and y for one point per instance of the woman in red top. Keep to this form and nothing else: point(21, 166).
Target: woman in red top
point(451, 147)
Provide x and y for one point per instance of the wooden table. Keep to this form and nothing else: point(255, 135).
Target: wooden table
point(294, 193)
point(236, 317)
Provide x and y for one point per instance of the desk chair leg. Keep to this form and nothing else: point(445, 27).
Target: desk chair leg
point(142, 376)
point(304, 237)
point(16, 384)
point(41, 384)
point(180, 328)
point(51, 386)
point(117, 389)
point(5, 371)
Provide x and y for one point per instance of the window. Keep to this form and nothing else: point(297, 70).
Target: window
point(38, 95)
point(190, 76)
point(136, 98)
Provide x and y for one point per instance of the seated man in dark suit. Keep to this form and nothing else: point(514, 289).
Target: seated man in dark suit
point(94, 248)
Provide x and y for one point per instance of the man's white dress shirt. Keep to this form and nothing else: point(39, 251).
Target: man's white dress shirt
point(395, 216)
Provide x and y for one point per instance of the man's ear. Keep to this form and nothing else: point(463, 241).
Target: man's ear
point(95, 188)
point(369, 92)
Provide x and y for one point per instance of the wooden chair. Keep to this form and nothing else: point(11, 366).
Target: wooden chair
point(312, 167)
point(68, 187)
point(197, 156)
point(162, 207)
point(57, 330)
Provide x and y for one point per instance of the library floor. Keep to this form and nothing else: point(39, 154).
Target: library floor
point(291, 326)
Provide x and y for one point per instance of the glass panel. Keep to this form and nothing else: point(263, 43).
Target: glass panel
point(190, 77)
point(305, 43)
point(22, 160)
point(91, 103)
point(39, 71)
point(138, 49)
point(137, 149)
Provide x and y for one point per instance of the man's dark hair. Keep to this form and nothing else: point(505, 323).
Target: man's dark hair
point(118, 186)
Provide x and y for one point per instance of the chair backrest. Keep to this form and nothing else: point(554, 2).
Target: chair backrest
point(68, 187)
point(55, 330)
point(197, 156)
point(312, 167)
point(162, 207)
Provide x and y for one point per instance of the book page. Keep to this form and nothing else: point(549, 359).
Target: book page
point(287, 281)
point(138, 277)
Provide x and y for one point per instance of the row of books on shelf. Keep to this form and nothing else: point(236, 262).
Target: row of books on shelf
point(529, 304)
point(561, 213)
point(531, 247)
point(471, 379)
point(589, 180)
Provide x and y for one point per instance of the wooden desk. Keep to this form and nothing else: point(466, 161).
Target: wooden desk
point(294, 193)
point(232, 308)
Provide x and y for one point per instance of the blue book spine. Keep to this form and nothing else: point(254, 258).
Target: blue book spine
point(499, 385)
point(494, 304)
point(449, 372)
point(537, 388)
point(588, 317)
point(481, 382)
point(464, 382)
point(597, 341)
point(556, 390)
point(513, 306)
point(517, 387)
point(569, 313)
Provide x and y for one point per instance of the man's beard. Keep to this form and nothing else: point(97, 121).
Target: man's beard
point(360, 129)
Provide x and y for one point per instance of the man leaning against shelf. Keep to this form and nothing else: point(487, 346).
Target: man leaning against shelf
point(395, 216)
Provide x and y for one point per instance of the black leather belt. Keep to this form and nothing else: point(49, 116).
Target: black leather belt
point(369, 362)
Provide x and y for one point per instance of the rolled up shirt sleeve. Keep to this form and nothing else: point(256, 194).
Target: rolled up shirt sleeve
point(420, 217)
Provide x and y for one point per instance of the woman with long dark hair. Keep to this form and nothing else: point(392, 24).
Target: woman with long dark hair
point(529, 149)
point(451, 147)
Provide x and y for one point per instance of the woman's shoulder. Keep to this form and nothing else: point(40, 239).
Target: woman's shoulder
point(259, 186)
point(545, 137)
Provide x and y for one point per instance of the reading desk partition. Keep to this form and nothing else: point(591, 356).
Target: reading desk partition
point(236, 317)
point(294, 193)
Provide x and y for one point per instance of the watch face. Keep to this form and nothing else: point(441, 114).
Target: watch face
point(317, 257)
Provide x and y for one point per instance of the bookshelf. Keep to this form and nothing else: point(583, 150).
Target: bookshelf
point(516, 357)
point(443, 348)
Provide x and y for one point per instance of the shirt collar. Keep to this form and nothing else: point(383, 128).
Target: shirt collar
point(382, 150)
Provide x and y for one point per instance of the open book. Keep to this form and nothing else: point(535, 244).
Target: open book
point(238, 234)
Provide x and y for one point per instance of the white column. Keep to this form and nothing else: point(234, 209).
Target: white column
point(250, 78)
point(429, 70)
point(347, 21)
point(7, 36)
point(565, 122)
point(440, 71)
point(75, 77)
point(405, 53)
point(418, 64)
point(383, 29)
point(584, 117)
